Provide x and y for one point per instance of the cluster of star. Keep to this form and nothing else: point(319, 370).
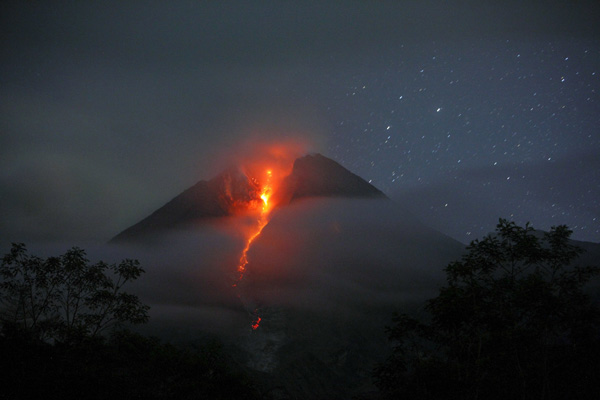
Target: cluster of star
point(512, 121)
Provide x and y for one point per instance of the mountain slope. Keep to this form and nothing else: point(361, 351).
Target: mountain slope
point(319, 176)
point(198, 202)
point(325, 276)
point(336, 258)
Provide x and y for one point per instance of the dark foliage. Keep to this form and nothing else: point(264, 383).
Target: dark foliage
point(66, 297)
point(124, 366)
point(51, 346)
point(512, 322)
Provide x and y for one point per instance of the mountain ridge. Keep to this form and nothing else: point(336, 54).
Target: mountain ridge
point(312, 175)
point(318, 176)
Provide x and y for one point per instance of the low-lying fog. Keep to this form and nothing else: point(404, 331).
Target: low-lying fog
point(316, 255)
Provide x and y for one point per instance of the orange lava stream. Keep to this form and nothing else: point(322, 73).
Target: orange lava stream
point(256, 323)
point(263, 220)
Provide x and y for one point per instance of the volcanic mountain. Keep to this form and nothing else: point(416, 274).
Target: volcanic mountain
point(321, 261)
point(233, 190)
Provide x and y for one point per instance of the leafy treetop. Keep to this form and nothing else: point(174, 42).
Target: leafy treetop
point(66, 296)
point(513, 321)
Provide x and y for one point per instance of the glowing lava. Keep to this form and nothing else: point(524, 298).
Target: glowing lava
point(263, 219)
point(256, 323)
point(266, 166)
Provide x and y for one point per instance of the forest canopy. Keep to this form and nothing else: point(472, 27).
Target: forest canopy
point(513, 321)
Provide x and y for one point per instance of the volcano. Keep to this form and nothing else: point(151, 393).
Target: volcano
point(232, 191)
point(302, 292)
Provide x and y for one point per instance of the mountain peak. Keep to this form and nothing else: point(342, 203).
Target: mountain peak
point(318, 176)
point(233, 191)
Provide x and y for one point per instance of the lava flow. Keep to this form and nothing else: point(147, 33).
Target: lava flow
point(263, 219)
point(266, 167)
point(256, 323)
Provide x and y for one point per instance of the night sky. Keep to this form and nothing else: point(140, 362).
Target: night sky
point(462, 111)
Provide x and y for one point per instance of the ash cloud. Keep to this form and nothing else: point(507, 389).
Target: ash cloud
point(265, 149)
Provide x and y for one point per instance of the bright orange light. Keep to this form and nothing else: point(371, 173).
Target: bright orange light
point(265, 165)
point(266, 170)
point(266, 192)
point(256, 323)
point(263, 219)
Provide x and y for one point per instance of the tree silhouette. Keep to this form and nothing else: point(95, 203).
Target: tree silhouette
point(53, 313)
point(64, 297)
point(513, 321)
